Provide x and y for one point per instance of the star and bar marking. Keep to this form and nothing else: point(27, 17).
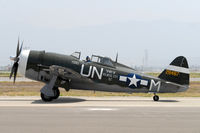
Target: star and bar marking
point(133, 80)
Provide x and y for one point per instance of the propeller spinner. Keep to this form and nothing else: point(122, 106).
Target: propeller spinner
point(16, 60)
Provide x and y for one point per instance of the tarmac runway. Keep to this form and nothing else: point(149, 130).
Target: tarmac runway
point(99, 115)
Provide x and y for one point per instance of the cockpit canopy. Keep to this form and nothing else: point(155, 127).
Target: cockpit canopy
point(102, 60)
point(96, 59)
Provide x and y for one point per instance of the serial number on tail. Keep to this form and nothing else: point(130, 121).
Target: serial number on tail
point(173, 73)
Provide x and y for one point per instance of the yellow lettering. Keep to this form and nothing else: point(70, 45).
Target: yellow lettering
point(173, 73)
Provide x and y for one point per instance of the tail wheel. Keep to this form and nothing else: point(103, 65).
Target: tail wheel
point(156, 98)
point(56, 93)
point(46, 98)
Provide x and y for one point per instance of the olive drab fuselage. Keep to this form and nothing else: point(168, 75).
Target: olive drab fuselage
point(95, 75)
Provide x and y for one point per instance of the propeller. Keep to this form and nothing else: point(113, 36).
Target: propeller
point(16, 60)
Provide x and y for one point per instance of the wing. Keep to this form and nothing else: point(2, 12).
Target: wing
point(63, 72)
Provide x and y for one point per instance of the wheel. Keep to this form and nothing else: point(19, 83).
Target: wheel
point(56, 92)
point(156, 98)
point(46, 98)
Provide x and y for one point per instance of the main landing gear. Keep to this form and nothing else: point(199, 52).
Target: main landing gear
point(156, 97)
point(48, 98)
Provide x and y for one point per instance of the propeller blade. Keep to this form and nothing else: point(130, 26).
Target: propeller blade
point(17, 51)
point(12, 58)
point(12, 71)
point(116, 58)
point(21, 48)
point(15, 71)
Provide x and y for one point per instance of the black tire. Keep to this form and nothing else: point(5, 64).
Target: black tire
point(156, 98)
point(46, 98)
point(56, 92)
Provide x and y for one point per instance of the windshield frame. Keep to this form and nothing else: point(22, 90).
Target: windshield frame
point(79, 55)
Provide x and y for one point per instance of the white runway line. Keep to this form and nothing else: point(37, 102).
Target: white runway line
point(102, 109)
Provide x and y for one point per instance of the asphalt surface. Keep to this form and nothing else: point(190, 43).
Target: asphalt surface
point(99, 115)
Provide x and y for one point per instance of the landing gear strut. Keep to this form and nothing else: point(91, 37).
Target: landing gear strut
point(156, 97)
point(46, 98)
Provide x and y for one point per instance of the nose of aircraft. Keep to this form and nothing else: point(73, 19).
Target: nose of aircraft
point(23, 59)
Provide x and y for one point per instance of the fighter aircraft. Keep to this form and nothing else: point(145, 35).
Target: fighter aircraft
point(98, 73)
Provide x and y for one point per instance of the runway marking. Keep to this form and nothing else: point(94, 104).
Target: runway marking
point(102, 109)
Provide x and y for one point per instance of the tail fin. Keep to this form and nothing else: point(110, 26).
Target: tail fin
point(177, 72)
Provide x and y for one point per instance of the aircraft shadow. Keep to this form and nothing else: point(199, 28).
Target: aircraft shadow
point(167, 101)
point(76, 100)
point(60, 100)
point(133, 100)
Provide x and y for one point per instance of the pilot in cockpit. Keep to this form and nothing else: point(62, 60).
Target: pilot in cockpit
point(88, 59)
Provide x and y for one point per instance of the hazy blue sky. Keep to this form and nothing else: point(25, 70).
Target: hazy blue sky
point(166, 28)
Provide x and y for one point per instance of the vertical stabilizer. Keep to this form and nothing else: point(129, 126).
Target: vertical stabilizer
point(177, 71)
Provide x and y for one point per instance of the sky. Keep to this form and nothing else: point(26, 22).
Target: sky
point(163, 28)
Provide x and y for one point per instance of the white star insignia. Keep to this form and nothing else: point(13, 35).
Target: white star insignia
point(133, 80)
